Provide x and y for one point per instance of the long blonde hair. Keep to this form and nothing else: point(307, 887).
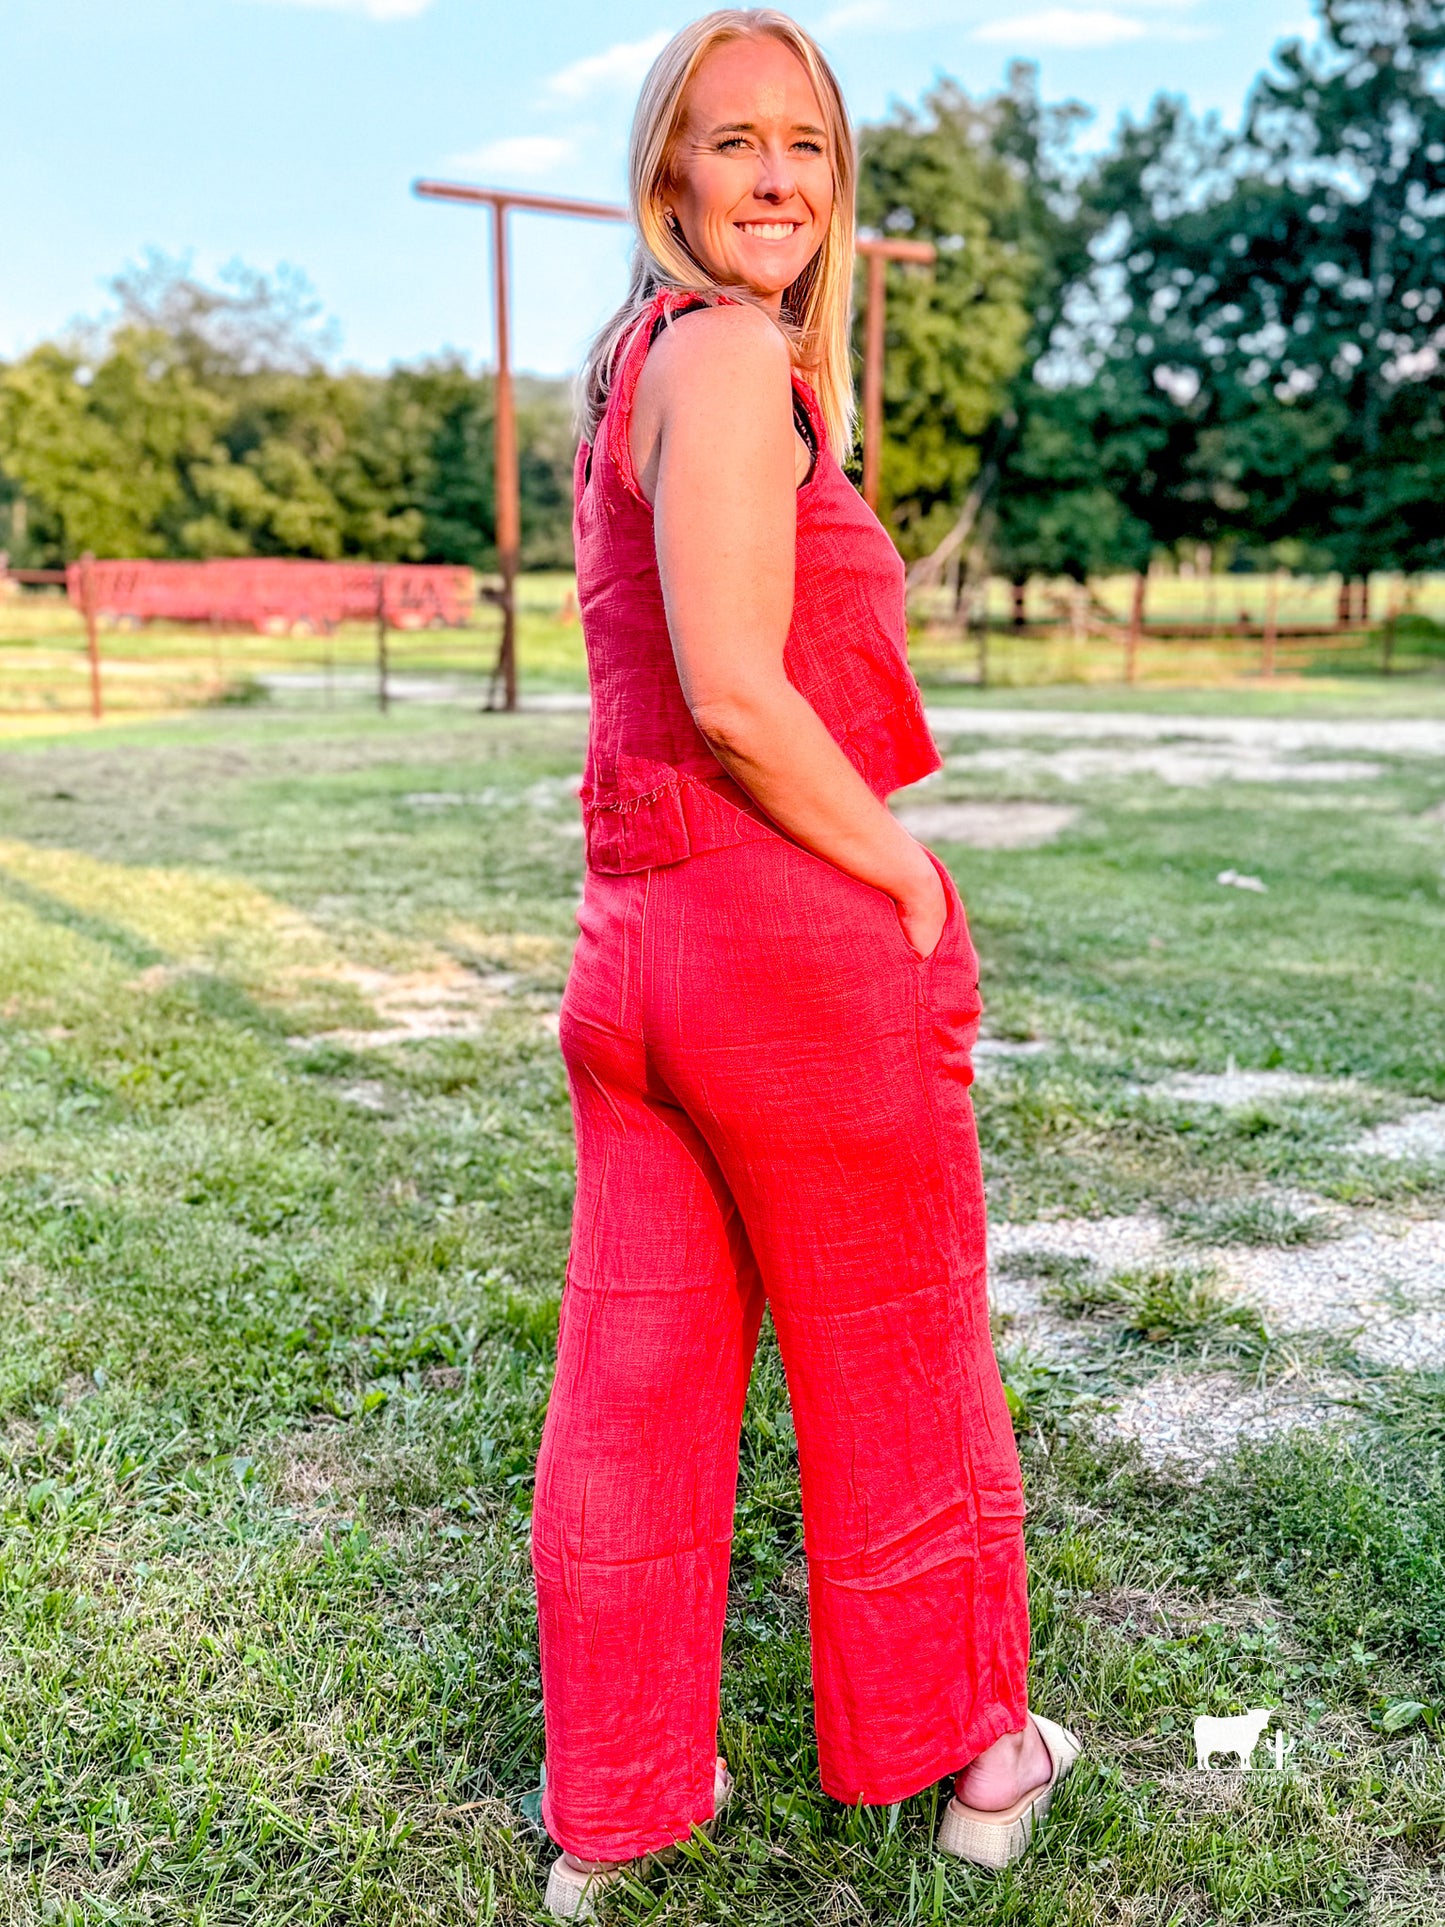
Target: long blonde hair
point(816, 309)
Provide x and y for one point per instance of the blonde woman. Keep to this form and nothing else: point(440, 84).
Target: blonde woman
point(767, 1032)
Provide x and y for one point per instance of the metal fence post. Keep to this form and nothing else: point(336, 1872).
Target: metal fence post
point(383, 693)
point(92, 639)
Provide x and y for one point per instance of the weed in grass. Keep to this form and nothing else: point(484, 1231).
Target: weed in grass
point(1177, 1305)
point(1250, 1221)
point(1046, 1266)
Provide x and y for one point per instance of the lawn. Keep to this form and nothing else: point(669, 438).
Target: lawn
point(285, 1179)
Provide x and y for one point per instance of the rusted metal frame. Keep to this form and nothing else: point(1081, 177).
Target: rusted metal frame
point(505, 455)
point(1136, 627)
point(878, 252)
point(1271, 627)
point(383, 685)
point(92, 636)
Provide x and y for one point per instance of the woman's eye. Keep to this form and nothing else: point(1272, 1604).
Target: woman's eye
point(733, 140)
point(810, 147)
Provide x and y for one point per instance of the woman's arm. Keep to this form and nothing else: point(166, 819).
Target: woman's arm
point(713, 425)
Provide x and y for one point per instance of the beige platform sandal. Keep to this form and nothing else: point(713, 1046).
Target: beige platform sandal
point(995, 1839)
point(572, 1893)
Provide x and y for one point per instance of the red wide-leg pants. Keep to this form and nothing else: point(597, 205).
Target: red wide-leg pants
point(770, 1094)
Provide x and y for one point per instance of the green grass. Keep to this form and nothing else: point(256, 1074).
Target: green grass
point(280, 1311)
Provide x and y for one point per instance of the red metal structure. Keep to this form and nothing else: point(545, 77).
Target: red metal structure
point(271, 596)
point(509, 498)
point(877, 252)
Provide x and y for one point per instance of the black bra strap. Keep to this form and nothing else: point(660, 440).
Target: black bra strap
point(802, 420)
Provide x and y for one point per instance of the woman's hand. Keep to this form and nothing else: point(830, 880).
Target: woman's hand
point(923, 910)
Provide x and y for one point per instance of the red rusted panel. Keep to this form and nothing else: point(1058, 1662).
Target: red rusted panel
point(264, 594)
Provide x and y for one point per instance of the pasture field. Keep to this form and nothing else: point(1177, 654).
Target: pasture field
point(285, 1178)
point(44, 671)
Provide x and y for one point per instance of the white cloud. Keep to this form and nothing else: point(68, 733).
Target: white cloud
point(619, 67)
point(1063, 27)
point(372, 9)
point(526, 157)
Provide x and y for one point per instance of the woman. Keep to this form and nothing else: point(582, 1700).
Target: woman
point(767, 1032)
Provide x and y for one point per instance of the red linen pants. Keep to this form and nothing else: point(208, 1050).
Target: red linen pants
point(770, 1094)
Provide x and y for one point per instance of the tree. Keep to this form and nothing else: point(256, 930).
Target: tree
point(956, 333)
point(205, 421)
point(1283, 287)
point(102, 444)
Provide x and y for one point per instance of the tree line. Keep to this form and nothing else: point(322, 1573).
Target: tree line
point(205, 421)
point(1224, 338)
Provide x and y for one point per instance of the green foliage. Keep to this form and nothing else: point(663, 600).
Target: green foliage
point(104, 444)
point(956, 334)
point(206, 423)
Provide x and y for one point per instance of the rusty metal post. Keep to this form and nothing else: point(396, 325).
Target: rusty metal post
point(1271, 624)
point(878, 253)
point(873, 378)
point(1136, 628)
point(92, 639)
point(383, 691)
point(509, 481)
point(508, 485)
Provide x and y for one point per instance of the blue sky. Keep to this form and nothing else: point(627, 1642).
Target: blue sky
point(290, 131)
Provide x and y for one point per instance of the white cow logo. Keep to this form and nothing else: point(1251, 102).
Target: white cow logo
point(1238, 1734)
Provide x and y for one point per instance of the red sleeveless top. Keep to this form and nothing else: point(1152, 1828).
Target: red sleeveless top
point(653, 792)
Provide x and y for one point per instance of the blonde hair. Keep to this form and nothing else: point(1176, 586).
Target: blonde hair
point(817, 308)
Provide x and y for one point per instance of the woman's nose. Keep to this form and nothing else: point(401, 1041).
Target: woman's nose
point(775, 179)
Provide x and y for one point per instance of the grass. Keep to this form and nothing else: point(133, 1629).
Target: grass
point(1251, 1221)
point(279, 1312)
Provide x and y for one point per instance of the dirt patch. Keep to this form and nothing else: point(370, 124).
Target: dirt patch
point(1385, 1284)
point(1271, 735)
point(989, 826)
point(366, 1093)
point(1009, 1047)
point(1114, 1244)
point(447, 1000)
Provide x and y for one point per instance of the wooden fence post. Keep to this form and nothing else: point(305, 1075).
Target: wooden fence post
point(92, 639)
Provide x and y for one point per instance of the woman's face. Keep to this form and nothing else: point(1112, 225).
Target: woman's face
point(752, 174)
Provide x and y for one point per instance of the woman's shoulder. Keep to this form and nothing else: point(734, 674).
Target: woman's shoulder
point(715, 340)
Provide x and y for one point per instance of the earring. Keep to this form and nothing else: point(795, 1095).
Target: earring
point(672, 221)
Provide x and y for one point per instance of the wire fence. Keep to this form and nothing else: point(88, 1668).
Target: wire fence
point(1207, 630)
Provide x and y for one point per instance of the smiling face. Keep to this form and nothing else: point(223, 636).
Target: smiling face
point(752, 173)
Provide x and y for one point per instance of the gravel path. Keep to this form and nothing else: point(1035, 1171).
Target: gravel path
point(1383, 735)
point(1194, 1418)
point(1381, 1288)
